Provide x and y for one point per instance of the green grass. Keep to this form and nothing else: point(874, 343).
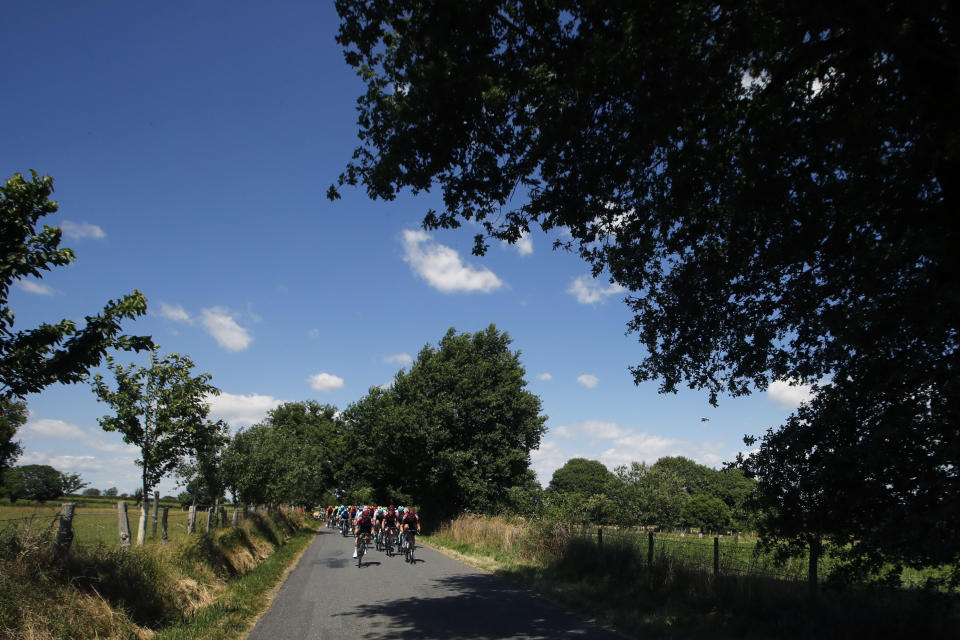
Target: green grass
point(197, 585)
point(244, 600)
point(679, 597)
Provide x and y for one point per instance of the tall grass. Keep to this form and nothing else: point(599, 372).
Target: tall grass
point(101, 591)
point(675, 597)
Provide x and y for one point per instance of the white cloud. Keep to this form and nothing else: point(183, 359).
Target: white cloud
point(175, 312)
point(325, 382)
point(48, 428)
point(314, 333)
point(588, 380)
point(386, 386)
point(220, 324)
point(605, 430)
point(442, 268)
point(562, 432)
point(642, 447)
point(789, 394)
point(546, 459)
point(544, 376)
point(524, 245)
point(588, 291)
point(79, 230)
point(31, 286)
point(241, 410)
point(81, 463)
point(399, 358)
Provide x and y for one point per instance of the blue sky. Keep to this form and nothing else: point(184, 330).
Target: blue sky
point(191, 146)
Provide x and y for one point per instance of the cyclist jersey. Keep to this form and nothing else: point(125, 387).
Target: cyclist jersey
point(365, 524)
point(353, 512)
point(390, 518)
point(343, 513)
point(411, 519)
point(380, 516)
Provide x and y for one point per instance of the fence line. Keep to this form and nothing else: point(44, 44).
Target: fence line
point(115, 526)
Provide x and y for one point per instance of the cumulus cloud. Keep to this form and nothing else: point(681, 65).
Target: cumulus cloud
point(588, 380)
point(175, 312)
point(220, 324)
point(325, 382)
point(524, 245)
point(32, 286)
point(544, 376)
point(546, 459)
point(80, 230)
point(47, 428)
point(589, 291)
point(644, 447)
point(241, 410)
point(442, 267)
point(399, 358)
point(600, 429)
point(562, 432)
point(789, 394)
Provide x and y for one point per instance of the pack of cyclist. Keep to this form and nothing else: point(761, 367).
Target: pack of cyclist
point(381, 524)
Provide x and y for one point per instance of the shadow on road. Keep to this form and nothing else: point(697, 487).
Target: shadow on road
point(473, 607)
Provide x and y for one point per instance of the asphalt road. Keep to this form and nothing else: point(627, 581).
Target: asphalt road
point(328, 596)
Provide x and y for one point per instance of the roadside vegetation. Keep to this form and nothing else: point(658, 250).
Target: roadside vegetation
point(675, 597)
point(206, 585)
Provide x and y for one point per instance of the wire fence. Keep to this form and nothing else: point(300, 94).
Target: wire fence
point(100, 525)
point(730, 555)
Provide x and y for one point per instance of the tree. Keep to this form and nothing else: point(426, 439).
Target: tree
point(91, 492)
point(111, 492)
point(289, 458)
point(453, 433)
point(706, 513)
point(773, 184)
point(71, 483)
point(34, 482)
point(586, 477)
point(201, 473)
point(34, 359)
point(161, 409)
point(13, 415)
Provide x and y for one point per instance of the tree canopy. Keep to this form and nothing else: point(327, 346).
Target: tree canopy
point(162, 410)
point(773, 184)
point(289, 458)
point(586, 477)
point(453, 433)
point(36, 358)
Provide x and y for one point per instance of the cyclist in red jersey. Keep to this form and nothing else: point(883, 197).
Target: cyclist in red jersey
point(364, 528)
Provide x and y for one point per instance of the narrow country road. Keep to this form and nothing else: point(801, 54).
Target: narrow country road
point(328, 596)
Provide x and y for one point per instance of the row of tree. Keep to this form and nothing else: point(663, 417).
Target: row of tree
point(672, 493)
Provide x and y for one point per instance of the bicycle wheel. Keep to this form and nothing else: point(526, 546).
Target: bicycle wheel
point(413, 547)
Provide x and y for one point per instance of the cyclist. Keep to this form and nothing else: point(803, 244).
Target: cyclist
point(378, 523)
point(354, 510)
point(390, 525)
point(410, 524)
point(364, 528)
point(342, 513)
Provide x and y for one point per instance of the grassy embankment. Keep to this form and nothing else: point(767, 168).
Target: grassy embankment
point(202, 586)
point(675, 598)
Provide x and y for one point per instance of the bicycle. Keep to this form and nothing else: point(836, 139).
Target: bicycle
point(361, 549)
point(410, 545)
point(343, 527)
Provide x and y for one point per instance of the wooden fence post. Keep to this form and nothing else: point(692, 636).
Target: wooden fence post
point(123, 522)
point(156, 508)
point(65, 532)
point(223, 517)
point(814, 560)
point(599, 536)
point(163, 525)
point(209, 518)
point(192, 519)
point(650, 548)
point(716, 556)
point(236, 515)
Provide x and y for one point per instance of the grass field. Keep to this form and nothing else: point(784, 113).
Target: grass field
point(94, 523)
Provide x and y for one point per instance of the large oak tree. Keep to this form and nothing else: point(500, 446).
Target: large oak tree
point(772, 182)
